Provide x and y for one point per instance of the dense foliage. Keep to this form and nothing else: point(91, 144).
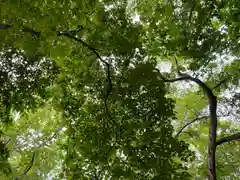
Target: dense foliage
point(88, 89)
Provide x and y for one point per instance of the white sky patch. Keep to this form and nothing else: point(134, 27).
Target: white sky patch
point(164, 66)
point(136, 18)
point(64, 129)
point(223, 29)
point(109, 7)
point(16, 116)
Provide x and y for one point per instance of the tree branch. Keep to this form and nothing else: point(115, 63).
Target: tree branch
point(107, 65)
point(7, 143)
point(228, 139)
point(30, 165)
point(219, 84)
point(188, 124)
point(69, 34)
point(5, 26)
point(212, 101)
point(25, 29)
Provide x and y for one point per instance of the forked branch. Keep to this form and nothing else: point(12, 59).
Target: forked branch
point(212, 101)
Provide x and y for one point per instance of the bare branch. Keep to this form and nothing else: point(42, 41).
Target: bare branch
point(29, 30)
point(189, 123)
point(219, 84)
point(69, 34)
point(228, 139)
point(5, 26)
point(7, 143)
point(30, 165)
point(108, 73)
point(25, 29)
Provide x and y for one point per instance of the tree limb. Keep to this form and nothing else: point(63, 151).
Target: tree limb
point(25, 29)
point(7, 143)
point(188, 124)
point(69, 34)
point(107, 65)
point(228, 139)
point(29, 166)
point(212, 101)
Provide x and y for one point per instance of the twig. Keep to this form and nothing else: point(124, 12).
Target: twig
point(5, 26)
point(228, 139)
point(6, 144)
point(79, 28)
point(188, 124)
point(69, 35)
point(30, 165)
point(189, 133)
point(25, 29)
point(219, 84)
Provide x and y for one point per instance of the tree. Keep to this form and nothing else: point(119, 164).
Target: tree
point(96, 64)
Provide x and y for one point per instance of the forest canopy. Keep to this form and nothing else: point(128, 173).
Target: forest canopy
point(119, 89)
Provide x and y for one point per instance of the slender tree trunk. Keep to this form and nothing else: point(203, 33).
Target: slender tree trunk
point(212, 101)
point(212, 138)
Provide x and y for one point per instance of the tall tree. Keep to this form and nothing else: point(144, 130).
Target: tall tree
point(99, 66)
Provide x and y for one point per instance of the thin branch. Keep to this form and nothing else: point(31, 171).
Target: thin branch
point(178, 70)
point(75, 31)
point(30, 165)
point(170, 80)
point(5, 26)
point(7, 143)
point(69, 34)
point(25, 29)
point(219, 84)
point(228, 139)
point(189, 123)
point(109, 80)
point(94, 50)
point(30, 30)
point(191, 11)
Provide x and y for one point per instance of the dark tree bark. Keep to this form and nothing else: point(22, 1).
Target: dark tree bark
point(228, 139)
point(212, 101)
